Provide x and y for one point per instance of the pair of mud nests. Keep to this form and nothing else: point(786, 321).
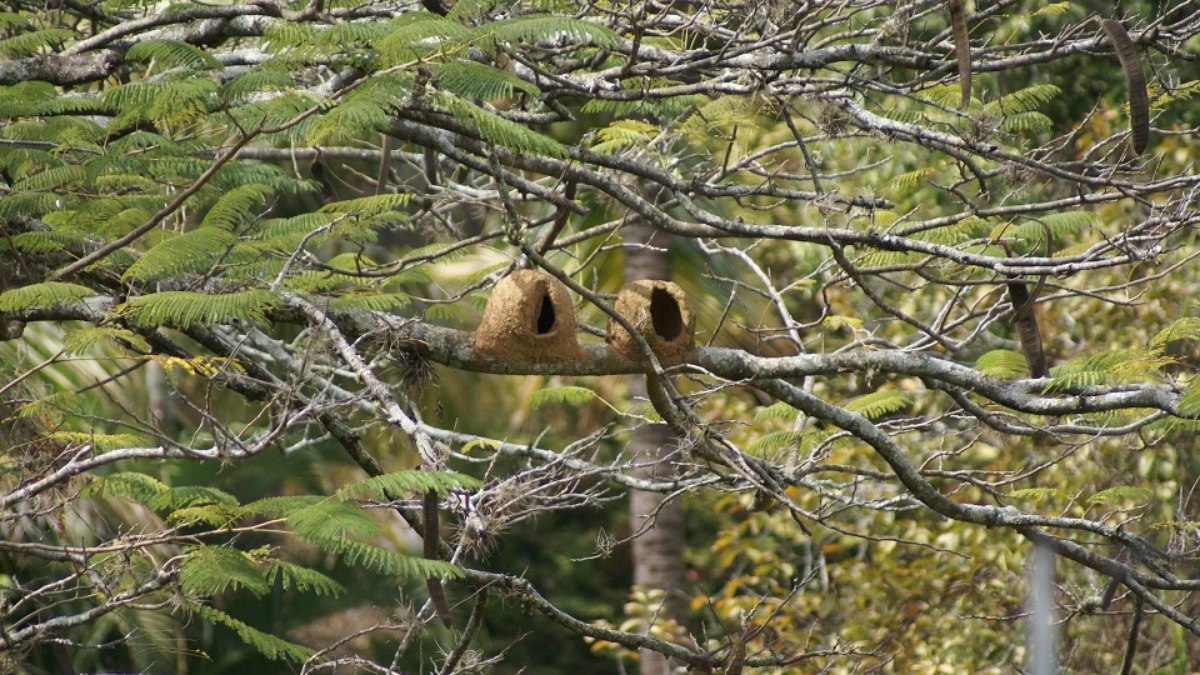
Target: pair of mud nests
point(529, 318)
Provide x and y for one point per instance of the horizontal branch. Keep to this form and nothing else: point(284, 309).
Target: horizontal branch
point(454, 348)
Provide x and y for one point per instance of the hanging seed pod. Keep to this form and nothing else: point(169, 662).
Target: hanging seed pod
point(962, 48)
point(1027, 328)
point(1135, 83)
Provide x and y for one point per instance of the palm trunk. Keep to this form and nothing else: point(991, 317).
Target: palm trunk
point(658, 552)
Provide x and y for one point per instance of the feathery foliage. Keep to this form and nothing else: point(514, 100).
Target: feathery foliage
point(183, 309)
point(43, 295)
point(878, 404)
point(268, 645)
point(1004, 364)
point(190, 252)
point(136, 486)
point(171, 53)
point(90, 338)
point(495, 129)
point(777, 410)
point(776, 440)
point(389, 485)
point(473, 80)
point(212, 570)
point(562, 395)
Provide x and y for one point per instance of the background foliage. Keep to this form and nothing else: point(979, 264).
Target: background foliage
point(244, 245)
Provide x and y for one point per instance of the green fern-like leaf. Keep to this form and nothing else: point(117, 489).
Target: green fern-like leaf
point(872, 259)
point(86, 339)
point(495, 129)
point(644, 410)
point(281, 507)
point(168, 102)
point(1189, 403)
point(123, 221)
point(1115, 496)
point(366, 207)
point(181, 496)
point(42, 296)
point(946, 95)
point(287, 234)
point(136, 486)
point(194, 251)
point(212, 570)
point(911, 179)
point(964, 230)
point(1034, 495)
point(66, 131)
point(1004, 364)
point(479, 81)
point(350, 119)
point(1024, 100)
point(369, 302)
point(68, 104)
point(329, 520)
point(1053, 9)
point(59, 177)
point(54, 405)
point(776, 441)
point(388, 486)
point(414, 35)
point(471, 9)
point(344, 34)
point(1187, 328)
point(144, 141)
point(25, 98)
point(1115, 367)
point(776, 411)
point(548, 29)
point(623, 134)
point(878, 404)
point(332, 524)
point(295, 577)
point(1055, 225)
point(171, 53)
point(268, 645)
point(185, 308)
point(46, 242)
point(665, 108)
point(238, 206)
point(98, 441)
point(389, 562)
point(33, 42)
point(248, 85)
point(11, 20)
point(213, 515)
point(30, 204)
point(720, 115)
point(562, 396)
point(1027, 122)
point(1186, 91)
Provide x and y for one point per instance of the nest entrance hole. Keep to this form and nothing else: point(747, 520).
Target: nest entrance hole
point(543, 323)
point(664, 312)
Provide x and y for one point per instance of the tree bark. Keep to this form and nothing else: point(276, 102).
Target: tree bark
point(658, 552)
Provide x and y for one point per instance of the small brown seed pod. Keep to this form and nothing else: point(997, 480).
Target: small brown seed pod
point(962, 48)
point(1135, 83)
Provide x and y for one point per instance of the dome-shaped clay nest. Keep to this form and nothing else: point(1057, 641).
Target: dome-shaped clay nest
point(660, 311)
point(528, 319)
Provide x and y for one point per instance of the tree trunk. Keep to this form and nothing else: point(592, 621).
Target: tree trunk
point(658, 552)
